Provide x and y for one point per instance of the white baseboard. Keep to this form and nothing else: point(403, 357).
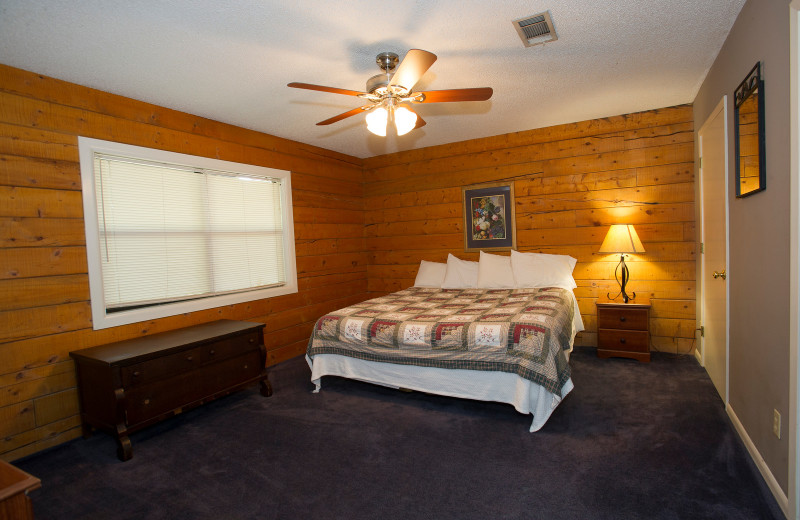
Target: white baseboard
point(773, 485)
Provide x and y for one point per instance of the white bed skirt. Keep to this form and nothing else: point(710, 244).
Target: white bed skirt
point(525, 396)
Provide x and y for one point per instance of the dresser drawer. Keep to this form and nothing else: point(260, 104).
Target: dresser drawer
point(623, 340)
point(128, 385)
point(158, 397)
point(621, 318)
point(187, 360)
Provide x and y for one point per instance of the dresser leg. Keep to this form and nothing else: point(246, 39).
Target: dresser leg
point(266, 387)
point(124, 449)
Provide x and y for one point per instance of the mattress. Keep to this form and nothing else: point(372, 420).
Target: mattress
point(504, 345)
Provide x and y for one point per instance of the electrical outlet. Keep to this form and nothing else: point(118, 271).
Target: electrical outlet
point(776, 423)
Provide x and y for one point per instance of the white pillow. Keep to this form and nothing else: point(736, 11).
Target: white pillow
point(461, 274)
point(430, 274)
point(494, 272)
point(542, 270)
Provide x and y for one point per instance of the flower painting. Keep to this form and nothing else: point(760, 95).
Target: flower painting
point(489, 217)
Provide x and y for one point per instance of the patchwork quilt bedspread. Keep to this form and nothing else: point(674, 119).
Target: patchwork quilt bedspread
point(521, 331)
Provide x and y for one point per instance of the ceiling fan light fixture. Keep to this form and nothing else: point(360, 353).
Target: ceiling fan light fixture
point(405, 120)
point(377, 121)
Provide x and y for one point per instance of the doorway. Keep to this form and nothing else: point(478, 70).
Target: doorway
point(713, 189)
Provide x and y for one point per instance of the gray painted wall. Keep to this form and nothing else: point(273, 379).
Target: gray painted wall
point(758, 283)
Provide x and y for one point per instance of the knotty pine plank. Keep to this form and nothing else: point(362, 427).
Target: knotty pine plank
point(26, 262)
point(30, 374)
point(42, 291)
point(501, 157)
point(23, 111)
point(47, 441)
point(39, 150)
point(29, 84)
point(660, 117)
point(327, 246)
point(41, 321)
point(49, 432)
point(28, 390)
point(56, 406)
point(36, 232)
point(36, 202)
point(39, 173)
point(16, 418)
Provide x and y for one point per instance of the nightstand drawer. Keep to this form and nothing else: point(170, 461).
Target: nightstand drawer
point(619, 318)
point(623, 329)
point(625, 340)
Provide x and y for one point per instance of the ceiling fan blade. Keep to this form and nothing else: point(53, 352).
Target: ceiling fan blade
point(412, 68)
point(321, 88)
point(420, 122)
point(345, 115)
point(458, 94)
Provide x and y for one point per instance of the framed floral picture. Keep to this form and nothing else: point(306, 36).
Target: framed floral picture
point(489, 217)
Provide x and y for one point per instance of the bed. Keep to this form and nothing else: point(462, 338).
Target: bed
point(501, 341)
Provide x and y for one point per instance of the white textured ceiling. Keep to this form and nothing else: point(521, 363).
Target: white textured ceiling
point(231, 60)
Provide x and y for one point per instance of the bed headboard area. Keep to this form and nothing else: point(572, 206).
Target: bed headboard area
point(571, 182)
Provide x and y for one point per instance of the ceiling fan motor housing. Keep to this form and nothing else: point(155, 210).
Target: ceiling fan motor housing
point(379, 81)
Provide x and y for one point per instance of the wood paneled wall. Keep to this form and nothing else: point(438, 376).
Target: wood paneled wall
point(45, 310)
point(353, 239)
point(571, 182)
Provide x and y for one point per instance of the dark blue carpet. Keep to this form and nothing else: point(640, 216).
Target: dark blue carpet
point(632, 441)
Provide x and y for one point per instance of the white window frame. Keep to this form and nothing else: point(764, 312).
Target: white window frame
point(102, 319)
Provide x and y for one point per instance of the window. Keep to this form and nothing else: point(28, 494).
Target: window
point(169, 233)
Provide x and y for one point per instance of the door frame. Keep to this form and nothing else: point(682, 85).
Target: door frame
point(722, 107)
point(794, 253)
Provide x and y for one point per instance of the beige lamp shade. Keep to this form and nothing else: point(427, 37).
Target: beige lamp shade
point(622, 238)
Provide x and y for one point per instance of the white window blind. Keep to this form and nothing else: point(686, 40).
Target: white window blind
point(171, 233)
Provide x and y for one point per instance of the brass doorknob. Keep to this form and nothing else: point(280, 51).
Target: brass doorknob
point(720, 275)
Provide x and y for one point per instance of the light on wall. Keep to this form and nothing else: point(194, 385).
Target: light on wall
point(378, 119)
point(622, 239)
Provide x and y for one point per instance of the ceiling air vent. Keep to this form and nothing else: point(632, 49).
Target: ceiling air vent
point(536, 29)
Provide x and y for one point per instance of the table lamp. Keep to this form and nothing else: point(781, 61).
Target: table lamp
point(622, 239)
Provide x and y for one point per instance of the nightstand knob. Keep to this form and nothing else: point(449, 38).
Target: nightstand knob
point(212, 352)
point(136, 374)
point(622, 340)
point(188, 358)
point(622, 318)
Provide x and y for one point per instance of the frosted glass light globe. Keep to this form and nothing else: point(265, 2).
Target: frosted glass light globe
point(376, 121)
point(404, 120)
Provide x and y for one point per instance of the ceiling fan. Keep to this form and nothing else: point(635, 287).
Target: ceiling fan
point(390, 95)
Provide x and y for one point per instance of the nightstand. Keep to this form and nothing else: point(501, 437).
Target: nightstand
point(623, 329)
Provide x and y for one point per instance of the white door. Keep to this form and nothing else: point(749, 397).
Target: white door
point(714, 257)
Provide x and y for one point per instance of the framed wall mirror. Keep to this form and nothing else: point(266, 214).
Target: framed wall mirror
point(748, 117)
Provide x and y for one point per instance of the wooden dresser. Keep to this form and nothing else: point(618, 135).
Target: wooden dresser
point(129, 385)
point(623, 329)
point(15, 484)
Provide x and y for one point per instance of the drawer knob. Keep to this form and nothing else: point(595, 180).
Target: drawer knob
point(188, 358)
point(147, 401)
point(212, 352)
point(622, 340)
point(252, 340)
point(136, 373)
point(622, 318)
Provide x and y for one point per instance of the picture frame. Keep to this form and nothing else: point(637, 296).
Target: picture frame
point(489, 217)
